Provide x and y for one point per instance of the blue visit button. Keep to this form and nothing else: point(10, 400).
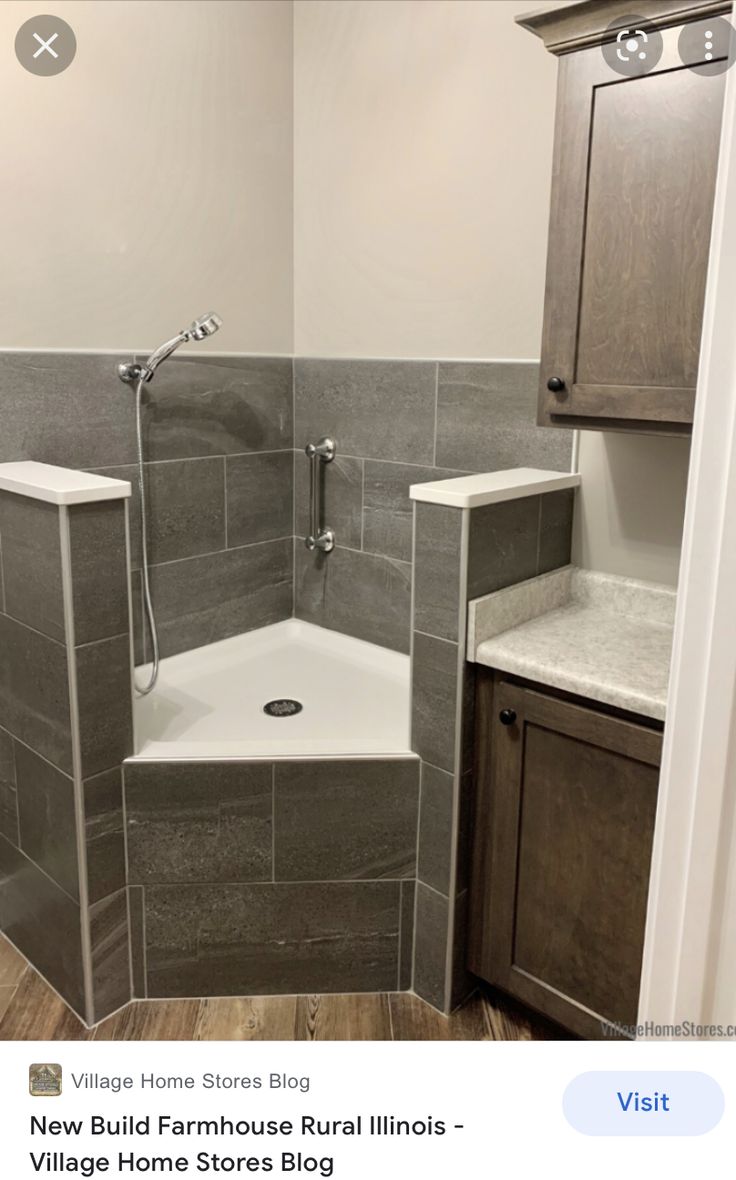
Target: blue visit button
point(635, 1102)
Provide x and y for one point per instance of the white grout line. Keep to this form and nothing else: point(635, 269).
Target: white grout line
point(124, 808)
point(214, 553)
point(273, 823)
point(131, 982)
point(432, 889)
point(144, 939)
point(415, 360)
point(267, 883)
point(436, 410)
point(224, 498)
point(188, 759)
point(362, 505)
point(34, 630)
point(401, 923)
point(458, 754)
point(131, 637)
point(439, 638)
point(79, 808)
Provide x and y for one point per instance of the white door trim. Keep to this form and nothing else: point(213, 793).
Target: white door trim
point(689, 967)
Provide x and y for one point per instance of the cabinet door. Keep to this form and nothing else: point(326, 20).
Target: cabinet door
point(632, 200)
point(563, 846)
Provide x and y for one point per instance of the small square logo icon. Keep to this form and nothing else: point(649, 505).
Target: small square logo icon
point(44, 1081)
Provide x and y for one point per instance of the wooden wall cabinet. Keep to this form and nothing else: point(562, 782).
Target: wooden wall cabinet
point(566, 800)
point(633, 183)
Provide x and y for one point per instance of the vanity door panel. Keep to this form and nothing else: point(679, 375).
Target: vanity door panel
point(566, 805)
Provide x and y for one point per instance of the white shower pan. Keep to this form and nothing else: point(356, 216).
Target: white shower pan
point(209, 702)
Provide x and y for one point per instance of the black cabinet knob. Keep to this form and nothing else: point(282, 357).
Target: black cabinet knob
point(507, 716)
point(555, 385)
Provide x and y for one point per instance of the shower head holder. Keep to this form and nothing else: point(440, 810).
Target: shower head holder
point(132, 372)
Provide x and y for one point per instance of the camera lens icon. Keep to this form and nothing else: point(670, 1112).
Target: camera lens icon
point(631, 43)
point(632, 47)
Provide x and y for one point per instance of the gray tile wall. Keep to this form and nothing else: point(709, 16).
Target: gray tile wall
point(257, 877)
point(224, 498)
point(460, 554)
point(397, 423)
point(65, 726)
point(218, 437)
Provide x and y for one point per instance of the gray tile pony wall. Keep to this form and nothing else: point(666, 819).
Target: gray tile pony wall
point(254, 877)
point(65, 726)
point(218, 437)
point(397, 423)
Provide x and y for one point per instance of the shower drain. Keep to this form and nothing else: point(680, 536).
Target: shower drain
point(285, 707)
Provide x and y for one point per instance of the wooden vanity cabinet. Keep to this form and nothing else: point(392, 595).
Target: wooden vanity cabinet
point(565, 806)
point(633, 183)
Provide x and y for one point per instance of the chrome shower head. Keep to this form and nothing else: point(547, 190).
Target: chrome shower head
point(199, 329)
point(205, 326)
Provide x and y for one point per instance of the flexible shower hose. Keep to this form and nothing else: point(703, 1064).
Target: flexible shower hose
point(148, 605)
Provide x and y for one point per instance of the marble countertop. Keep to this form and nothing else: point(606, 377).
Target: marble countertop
point(601, 637)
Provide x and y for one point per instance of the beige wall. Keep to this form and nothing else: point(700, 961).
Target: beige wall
point(631, 505)
point(422, 154)
point(147, 184)
point(151, 180)
point(423, 142)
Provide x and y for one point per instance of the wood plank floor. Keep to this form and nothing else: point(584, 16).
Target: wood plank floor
point(31, 1010)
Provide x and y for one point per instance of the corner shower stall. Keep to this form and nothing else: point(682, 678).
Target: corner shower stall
point(288, 809)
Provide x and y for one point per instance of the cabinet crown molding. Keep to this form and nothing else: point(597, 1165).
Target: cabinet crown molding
point(586, 23)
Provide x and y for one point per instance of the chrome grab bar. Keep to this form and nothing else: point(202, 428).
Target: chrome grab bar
point(320, 537)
